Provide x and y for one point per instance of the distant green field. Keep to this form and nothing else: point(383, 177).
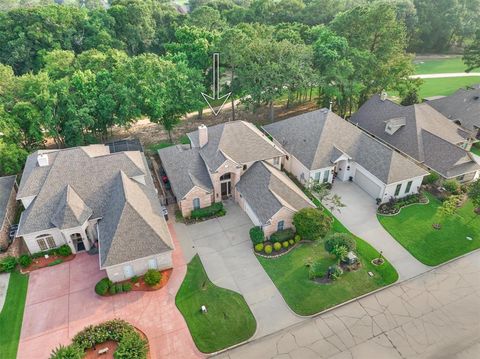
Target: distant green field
point(445, 86)
point(439, 66)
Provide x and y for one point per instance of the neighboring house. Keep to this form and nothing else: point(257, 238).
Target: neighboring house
point(322, 146)
point(87, 196)
point(236, 160)
point(422, 133)
point(7, 207)
point(463, 108)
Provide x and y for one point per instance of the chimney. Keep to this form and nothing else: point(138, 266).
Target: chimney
point(42, 160)
point(383, 95)
point(202, 135)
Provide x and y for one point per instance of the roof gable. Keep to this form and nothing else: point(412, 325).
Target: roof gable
point(71, 210)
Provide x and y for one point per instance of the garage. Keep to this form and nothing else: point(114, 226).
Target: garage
point(252, 214)
point(368, 185)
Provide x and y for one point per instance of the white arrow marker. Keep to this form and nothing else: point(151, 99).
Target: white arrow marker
point(216, 86)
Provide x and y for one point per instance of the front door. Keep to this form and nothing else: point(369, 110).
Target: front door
point(80, 245)
point(226, 189)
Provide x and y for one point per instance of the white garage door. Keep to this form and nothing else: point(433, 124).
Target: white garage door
point(252, 215)
point(367, 184)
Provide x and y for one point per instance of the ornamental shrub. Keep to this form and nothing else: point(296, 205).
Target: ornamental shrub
point(452, 186)
point(277, 246)
point(64, 250)
point(259, 247)
point(340, 239)
point(312, 223)
point(283, 235)
point(152, 277)
point(72, 351)
point(256, 235)
point(134, 279)
point(25, 260)
point(101, 288)
point(8, 264)
point(55, 262)
point(119, 288)
point(336, 272)
point(292, 242)
point(297, 238)
point(113, 290)
point(285, 244)
point(127, 287)
point(131, 346)
point(268, 249)
point(431, 178)
point(315, 271)
point(209, 211)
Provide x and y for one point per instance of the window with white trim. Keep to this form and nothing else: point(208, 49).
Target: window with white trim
point(45, 242)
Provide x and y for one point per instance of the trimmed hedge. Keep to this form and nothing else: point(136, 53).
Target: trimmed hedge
point(256, 235)
point(8, 264)
point(259, 247)
point(213, 210)
point(282, 236)
point(25, 260)
point(101, 288)
point(277, 246)
point(152, 277)
point(268, 249)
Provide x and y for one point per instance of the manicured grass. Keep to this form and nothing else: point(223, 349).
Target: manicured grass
point(184, 140)
point(412, 228)
point(445, 86)
point(12, 315)
point(476, 148)
point(439, 66)
point(229, 320)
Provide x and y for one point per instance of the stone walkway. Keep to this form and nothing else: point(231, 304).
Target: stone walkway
point(225, 249)
point(360, 217)
point(436, 315)
point(4, 278)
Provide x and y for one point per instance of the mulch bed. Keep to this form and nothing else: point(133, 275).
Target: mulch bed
point(112, 346)
point(189, 221)
point(141, 286)
point(279, 253)
point(42, 262)
point(345, 267)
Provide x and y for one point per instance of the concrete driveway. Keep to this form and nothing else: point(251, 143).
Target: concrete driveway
point(359, 216)
point(61, 301)
point(226, 252)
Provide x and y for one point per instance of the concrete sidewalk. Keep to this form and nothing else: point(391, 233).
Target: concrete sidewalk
point(359, 216)
point(445, 75)
point(225, 249)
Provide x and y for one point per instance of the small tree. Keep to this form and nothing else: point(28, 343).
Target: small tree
point(256, 235)
point(474, 195)
point(340, 252)
point(332, 201)
point(449, 207)
point(312, 223)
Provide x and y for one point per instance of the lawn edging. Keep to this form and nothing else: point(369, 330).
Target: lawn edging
point(406, 206)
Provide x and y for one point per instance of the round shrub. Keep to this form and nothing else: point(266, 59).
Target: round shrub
point(64, 250)
point(8, 264)
point(431, 178)
point(25, 260)
point(268, 249)
point(119, 287)
point(127, 287)
point(134, 279)
point(152, 277)
point(101, 288)
point(67, 352)
point(297, 238)
point(452, 186)
point(312, 223)
point(259, 247)
point(336, 272)
point(113, 289)
point(131, 346)
point(256, 235)
point(285, 244)
point(292, 242)
point(340, 239)
point(277, 246)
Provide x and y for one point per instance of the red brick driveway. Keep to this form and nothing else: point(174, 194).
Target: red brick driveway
point(61, 301)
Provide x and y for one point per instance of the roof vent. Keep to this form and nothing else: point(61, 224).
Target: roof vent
point(383, 95)
point(42, 160)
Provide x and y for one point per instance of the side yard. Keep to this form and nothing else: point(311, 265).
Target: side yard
point(228, 319)
point(413, 229)
point(11, 315)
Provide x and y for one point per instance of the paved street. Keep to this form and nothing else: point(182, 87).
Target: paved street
point(225, 249)
point(359, 216)
point(436, 315)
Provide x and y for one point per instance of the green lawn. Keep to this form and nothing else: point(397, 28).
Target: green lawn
point(439, 66)
point(412, 228)
point(184, 140)
point(229, 320)
point(476, 148)
point(12, 315)
point(445, 86)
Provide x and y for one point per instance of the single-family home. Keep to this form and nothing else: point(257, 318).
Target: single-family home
point(7, 207)
point(88, 197)
point(422, 133)
point(234, 160)
point(322, 147)
point(462, 107)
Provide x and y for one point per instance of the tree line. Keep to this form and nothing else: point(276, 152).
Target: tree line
point(70, 73)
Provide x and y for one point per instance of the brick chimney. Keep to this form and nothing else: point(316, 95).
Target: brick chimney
point(202, 135)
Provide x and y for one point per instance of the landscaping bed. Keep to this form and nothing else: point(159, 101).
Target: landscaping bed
point(123, 340)
point(413, 229)
point(106, 288)
point(394, 206)
point(42, 262)
point(228, 320)
point(202, 214)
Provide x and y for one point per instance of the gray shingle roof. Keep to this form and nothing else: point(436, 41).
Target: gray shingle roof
point(6, 187)
point(463, 105)
point(267, 190)
point(185, 170)
point(241, 141)
point(421, 122)
point(319, 137)
point(91, 180)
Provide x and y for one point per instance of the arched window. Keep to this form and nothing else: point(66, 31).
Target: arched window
point(45, 242)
